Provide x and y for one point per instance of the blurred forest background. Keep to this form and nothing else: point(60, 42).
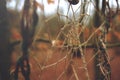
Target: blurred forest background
point(55, 25)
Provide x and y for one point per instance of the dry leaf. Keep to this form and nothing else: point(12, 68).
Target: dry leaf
point(50, 1)
point(15, 35)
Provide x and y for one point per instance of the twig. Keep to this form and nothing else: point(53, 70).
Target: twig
point(93, 34)
point(75, 73)
point(84, 63)
point(61, 75)
point(73, 13)
point(93, 57)
point(47, 66)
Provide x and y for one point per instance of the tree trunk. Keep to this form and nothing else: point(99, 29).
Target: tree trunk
point(97, 18)
point(4, 42)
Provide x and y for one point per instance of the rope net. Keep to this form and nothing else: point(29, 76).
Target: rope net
point(80, 49)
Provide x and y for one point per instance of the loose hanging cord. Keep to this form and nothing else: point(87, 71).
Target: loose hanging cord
point(28, 23)
point(104, 62)
point(103, 56)
point(102, 59)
